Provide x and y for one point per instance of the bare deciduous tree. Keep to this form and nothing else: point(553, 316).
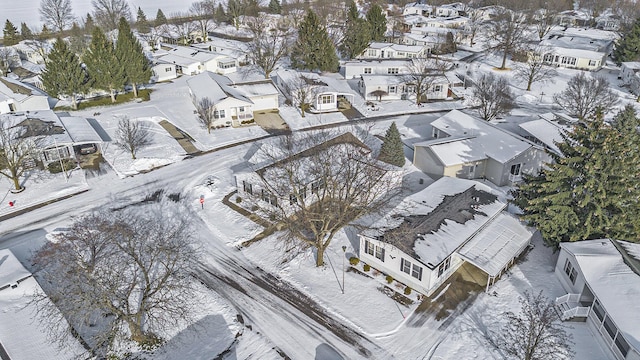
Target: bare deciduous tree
point(543, 19)
point(57, 14)
point(269, 44)
point(535, 333)
point(534, 70)
point(422, 75)
point(202, 12)
point(506, 32)
point(585, 95)
point(302, 92)
point(7, 60)
point(206, 111)
point(118, 275)
point(493, 96)
point(107, 13)
point(182, 27)
point(19, 147)
point(320, 182)
point(132, 136)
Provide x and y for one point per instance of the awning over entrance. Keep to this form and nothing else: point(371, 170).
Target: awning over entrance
point(493, 248)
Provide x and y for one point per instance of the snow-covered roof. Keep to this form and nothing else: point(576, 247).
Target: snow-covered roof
point(400, 63)
point(395, 47)
point(421, 37)
point(16, 90)
point(213, 86)
point(576, 42)
point(496, 244)
point(22, 334)
point(633, 65)
point(612, 281)
point(79, 130)
point(548, 132)
point(382, 80)
point(474, 139)
point(186, 56)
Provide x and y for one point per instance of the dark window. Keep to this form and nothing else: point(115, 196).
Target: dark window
point(610, 327)
point(292, 199)
point(247, 187)
point(622, 345)
point(368, 247)
point(380, 253)
point(405, 266)
point(264, 195)
point(444, 266)
point(417, 272)
point(570, 271)
point(598, 310)
point(515, 169)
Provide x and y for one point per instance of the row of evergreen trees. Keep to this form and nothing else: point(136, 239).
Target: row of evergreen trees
point(103, 66)
point(591, 189)
point(314, 49)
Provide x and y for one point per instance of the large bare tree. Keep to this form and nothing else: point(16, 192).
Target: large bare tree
point(492, 96)
point(269, 45)
point(19, 148)
point(7, 60)
point(585, 95)
point(422, 75)
point(119, 275)
point(544, 20)
point(320, 182)
point(132, 135)
point(534, 69)
point(535, 333)
point(202, 12)
point(57, 14)
point(206, 111)
point(107, 13)
point(506, 32)
point(302, 91)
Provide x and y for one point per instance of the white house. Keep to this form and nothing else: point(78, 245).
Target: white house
point(324, 96)
point(163, 71)
point(17, 96)
point(630, 76)
point(451, 222)
point(469, 148)
point(575, 50)
point(191, 61)
point(355, 68)
point(398, 87)
point(418, 8)
point(547, 130)
point(383, 50)
point(602, 281)
point(23, 333)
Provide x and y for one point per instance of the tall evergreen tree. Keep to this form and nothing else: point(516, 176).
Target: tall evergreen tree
point(220, 16)
point(45, 33)
point(628, 46)
point(378, 22)
point(25, 32)
point(129, 52)
point(357, 34)
point(584, 193)
point(64, 75)
point(142, 24)
point(275, 7)
point(392, 151)
point(103, 65)
point(88, 25)
point(314, 49)
point(10, 34)
point(160, 18)
point(78, 42)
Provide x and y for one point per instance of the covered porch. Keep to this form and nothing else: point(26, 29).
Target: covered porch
point(332, 101)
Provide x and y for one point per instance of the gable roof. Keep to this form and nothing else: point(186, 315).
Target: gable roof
point(214, 86)
point(13, 89)
point(612, 280)
point(473, 139)
point(547, 132)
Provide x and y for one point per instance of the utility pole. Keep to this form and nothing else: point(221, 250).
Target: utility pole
point(344, 251)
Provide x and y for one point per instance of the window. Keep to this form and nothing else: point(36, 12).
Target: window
point(515, 169)
point(326, 99)
point(392, 71)
point(292, 199)
point(400, 54)
point(622, 345)
point(393, 89)
point(598, 310)
point(380, 253)
point(167, 69)
point(302, 192)
point(593, 62)
point(373, 52)
point(273, 200)
point(264, 195)
point(570, 271)
point(367, 70)
point(610, 327)
point(444, 266)
point(241, 109)
point(548, 58)
point(417, 272)
point(437, 88)
point(405, 266)
point(568, 60)
point(247, 187)
point(219, 114)
point(227, 65)
point(368, 247)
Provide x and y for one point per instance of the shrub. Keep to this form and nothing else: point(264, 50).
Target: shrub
point(407, 290)
point(238, 200)
point(55, 167)
point(366, 267)
point(354, 261)
point(254, 208)
point(389, 279)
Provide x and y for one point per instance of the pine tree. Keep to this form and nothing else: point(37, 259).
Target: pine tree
point(103, 65)
point(275, 7)
point(88, 25)
point(357, 34)
point(25, 32)
point(313, 49)
point(77, 40)
point(142, 24)
point(583, 193)
point(45, 33)
point(628, 46)
point(160, 18)
point(392, 150)
point(64, 75)
point(10, 34)
point(129, 52)
point(378, 22)
point(220, 16)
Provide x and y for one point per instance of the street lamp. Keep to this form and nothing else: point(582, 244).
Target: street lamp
point(344, 251)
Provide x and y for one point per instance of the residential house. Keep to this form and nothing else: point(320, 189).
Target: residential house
point(231, 106)
point(232, 48)
point(466, 147)
point(450, 223)
point(33, 51)
point(325, 96)
point(418, 8)
point(383, 50)
point(630, 76)
point(17, 96)
point(574, 51)
point(547, 130)
point(602, 281)
point(398, 87)
point(193, 61)
point(355, 68)
point(23, 333)
point(163, 71)
point(418, 39)
point(573, 18)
